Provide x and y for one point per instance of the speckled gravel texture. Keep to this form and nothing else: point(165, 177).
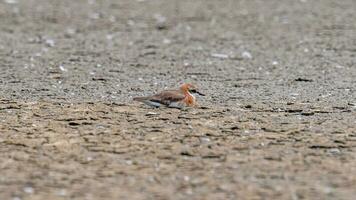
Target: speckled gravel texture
point(278, 121)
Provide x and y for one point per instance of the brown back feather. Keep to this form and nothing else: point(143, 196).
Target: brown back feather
point(141, 98)
point(167, 96)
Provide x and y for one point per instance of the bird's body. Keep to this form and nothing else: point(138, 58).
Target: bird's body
point(178, 98)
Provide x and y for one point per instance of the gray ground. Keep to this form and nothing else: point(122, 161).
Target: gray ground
point(278, 120)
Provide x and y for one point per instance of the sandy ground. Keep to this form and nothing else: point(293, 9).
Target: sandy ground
point(278, 121)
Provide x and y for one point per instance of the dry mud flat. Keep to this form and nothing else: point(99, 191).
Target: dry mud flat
point(278, 121)
point(103, 151)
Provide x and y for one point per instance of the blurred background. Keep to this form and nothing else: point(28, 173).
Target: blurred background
point(112, 50)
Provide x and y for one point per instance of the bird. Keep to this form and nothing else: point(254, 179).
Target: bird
point(178, 98)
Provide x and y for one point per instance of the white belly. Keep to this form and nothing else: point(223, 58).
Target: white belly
point(177, 104)
point(152, 103)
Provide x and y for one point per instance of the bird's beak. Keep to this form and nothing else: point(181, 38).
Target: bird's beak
point(194, 91)
point(200, 93)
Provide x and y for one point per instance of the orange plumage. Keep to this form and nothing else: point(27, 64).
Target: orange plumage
point(178, 98)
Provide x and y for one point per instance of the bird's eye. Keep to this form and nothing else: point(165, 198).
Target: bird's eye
point(193, 90)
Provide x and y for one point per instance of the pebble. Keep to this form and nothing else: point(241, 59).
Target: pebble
point(109, 37)
point(11, 1)
point(151, 113)
point(28, 190)
point(186, 178)
point(204, 140)
point(161, 21)
point(246, 55)
point(94, 16)
point(50, 43)
point(220, 55)
point(62, 68)
point(334, 151)
point(166, 41)
point(62, 192)
point(70, 31)
point(112, 19)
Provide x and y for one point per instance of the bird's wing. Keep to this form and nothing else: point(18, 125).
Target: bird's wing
point(168, 96)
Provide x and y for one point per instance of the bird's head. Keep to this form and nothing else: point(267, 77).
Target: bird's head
point(187, 87)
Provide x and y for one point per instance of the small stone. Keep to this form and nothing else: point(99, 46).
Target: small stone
point(28, 190)
point(334, 151)
point(70, 31)
point(112, 19)
point(109, 37)
point(220, 55)
point(186, 178)
point(166, 41)
point(62, 192)
point(246, 55)
point(151, 113)
point(62, 68)
point(204, 140)
point(50, 43)
point(161, 21)
point(11, 1)
point(130, 22)
point(94, 16)
point(248, 106)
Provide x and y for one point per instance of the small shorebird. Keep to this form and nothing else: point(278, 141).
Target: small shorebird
point(179, 98)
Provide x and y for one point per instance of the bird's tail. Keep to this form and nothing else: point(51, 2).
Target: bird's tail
point(140, 99)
